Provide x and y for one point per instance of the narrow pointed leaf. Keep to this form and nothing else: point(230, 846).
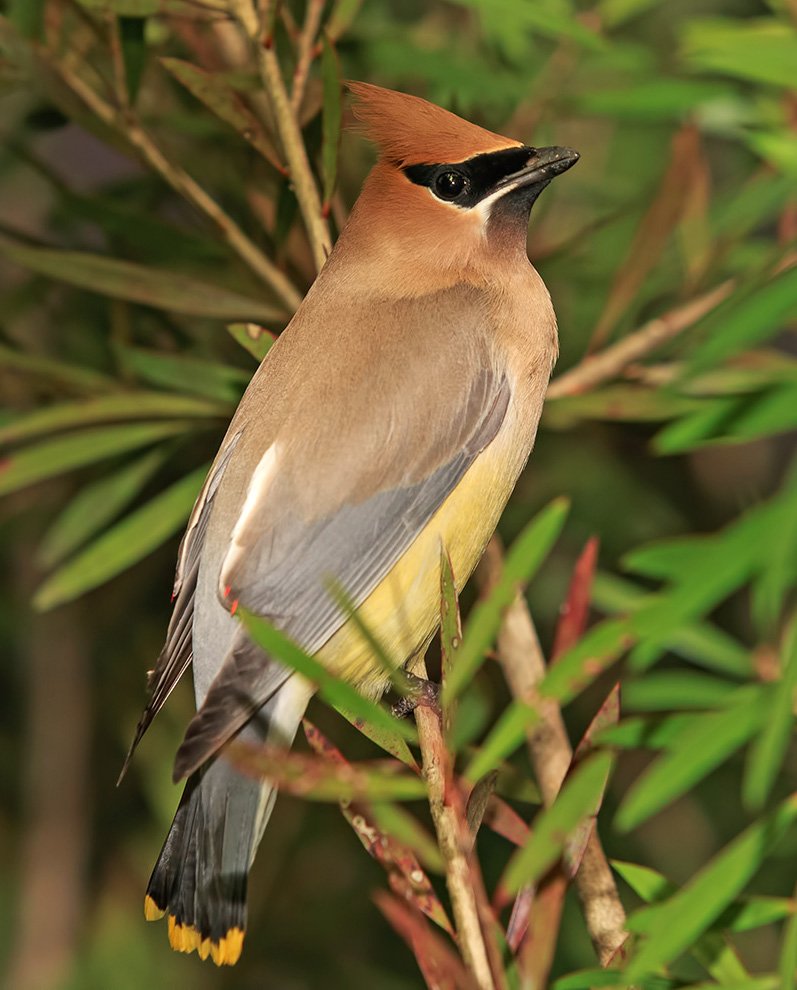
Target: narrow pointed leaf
point(385, 737)
point(787, 966)
point(219, 97)
point(582, 664)
point(184, 373)
point(713, 738)
point(66, 376)
point(520, 564)
point(681, 920)
point(335, 691)
point(578, 798)
point(769, 747)
point(316, 779)
point(53, 457)
point(506, 736)
point(441, 966)
point(744, 322)
point(134, 52)
point(253, 338)
point(95, 505)
point(157, 287)
point(406, 876)
point(450, 635)
point(105, 409)
point(124, 545)
point(330, 118)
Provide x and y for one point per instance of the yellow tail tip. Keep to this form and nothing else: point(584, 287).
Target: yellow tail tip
point(225, 952)
point(151, 910)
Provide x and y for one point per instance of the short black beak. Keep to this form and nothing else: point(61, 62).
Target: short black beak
point(544, 165)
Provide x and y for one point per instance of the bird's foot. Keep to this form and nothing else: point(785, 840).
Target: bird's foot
point(419, 692)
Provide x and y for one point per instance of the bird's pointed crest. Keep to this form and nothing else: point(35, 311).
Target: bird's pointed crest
point(411, 131)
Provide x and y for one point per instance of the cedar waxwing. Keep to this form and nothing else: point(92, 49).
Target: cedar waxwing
point(393, 415)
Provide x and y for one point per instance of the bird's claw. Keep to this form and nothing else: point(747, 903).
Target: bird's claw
point(420, 692)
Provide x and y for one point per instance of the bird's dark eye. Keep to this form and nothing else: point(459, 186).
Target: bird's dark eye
point(449, 185)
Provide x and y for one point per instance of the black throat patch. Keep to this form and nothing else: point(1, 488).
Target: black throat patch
point(465, 183)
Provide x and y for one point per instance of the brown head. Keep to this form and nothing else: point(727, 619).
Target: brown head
point(446, 201)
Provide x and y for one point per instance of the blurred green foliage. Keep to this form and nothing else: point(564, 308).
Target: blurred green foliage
point(118, 377)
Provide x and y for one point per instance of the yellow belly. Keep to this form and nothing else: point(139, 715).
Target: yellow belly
point(403, 611)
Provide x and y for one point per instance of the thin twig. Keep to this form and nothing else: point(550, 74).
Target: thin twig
point(182, 183)
point(452, 837)
point(305, 51)
point(522, 659)
point(595, 369)
point(290, 133)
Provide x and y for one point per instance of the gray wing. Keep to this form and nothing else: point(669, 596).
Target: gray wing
point(177, 652)
point(287, 572)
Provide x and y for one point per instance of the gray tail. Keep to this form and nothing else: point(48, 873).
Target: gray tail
point(200, 877)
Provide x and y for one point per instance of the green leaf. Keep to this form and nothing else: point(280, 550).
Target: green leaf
point(406, 828)
point(787, 967)
point(509, 24)
point(677, 690)
point(613, 13)
point(734, 419)
point(317, 779)
point(253, 338)
point(55, 372)
point(651, 100)
point(681, 920)
point(27, 16)
point(184, 373)
point(746, 319)
point(386, 738)
point(125, 8)
point(330, 119)
point(648, 883)
point(760, 49)
point(107, 408)
point(95, 506)
point(336, 692)
point(521, 563)
point(53, 457)
point(124, 545)
point(507, 734)
point(341, 17)
point(212, 90)
point(712, 739)
point(743, 915)
point(641, 733)
point(450, 637)
point(586, 979)
point(600, 647)
point(139, 283)
point(700, 643)
point(749, 983)
point(134, 52)
point(577, 800)
point(769, 747)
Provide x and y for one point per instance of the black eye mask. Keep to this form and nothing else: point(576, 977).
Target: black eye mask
point(466, 183)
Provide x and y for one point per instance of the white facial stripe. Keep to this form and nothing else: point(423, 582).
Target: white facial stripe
point(484, 206)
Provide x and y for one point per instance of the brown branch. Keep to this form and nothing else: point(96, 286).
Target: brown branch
point(454, 841)
point(305, 53)
point(290, 134)
point(595, 369)
point(181, 182)
point(522, 659)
